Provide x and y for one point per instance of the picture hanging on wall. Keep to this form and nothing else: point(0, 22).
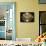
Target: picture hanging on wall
point(26, 16)
point(7, 21)
point(42, 1)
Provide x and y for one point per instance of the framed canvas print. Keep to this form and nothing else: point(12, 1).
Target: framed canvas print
point(42, 22)
point(42, 1)
point(7, 20)
point(27, 17)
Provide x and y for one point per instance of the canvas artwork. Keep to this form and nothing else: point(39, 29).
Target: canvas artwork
point(27, 17)
point(7, 28)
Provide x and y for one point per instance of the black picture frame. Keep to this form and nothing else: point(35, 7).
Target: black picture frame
point(42, 1)
point(26, 17)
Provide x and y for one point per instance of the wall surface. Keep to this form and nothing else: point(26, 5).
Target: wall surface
point(27, 30)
